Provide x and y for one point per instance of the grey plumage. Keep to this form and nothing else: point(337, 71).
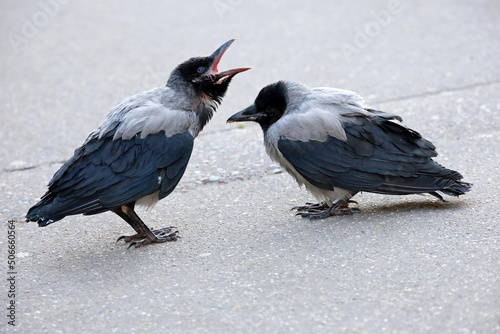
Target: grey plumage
point(140, 152)
point(331, 142)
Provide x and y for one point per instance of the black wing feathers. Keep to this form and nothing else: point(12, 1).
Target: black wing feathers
point(106, 173)
point(379, 156)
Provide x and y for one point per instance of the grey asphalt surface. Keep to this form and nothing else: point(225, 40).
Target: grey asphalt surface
point(245, 263)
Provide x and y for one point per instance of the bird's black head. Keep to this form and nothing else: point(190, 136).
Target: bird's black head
point(268, 107)
point(201, 75)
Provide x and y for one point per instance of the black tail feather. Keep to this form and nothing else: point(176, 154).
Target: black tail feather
point(38, 213)
point(51, 209)
point(456, 189)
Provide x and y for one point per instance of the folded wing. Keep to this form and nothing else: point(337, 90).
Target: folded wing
point(379, 156)
point(106, 173)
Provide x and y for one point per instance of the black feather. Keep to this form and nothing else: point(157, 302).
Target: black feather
point(379, 156)
point(105, 174)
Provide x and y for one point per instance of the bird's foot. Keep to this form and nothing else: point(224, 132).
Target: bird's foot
point(321, 211)
point(327, 213)
point(311, 207)
point(158, 236)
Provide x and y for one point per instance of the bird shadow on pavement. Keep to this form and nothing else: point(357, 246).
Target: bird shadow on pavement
point(414, 205)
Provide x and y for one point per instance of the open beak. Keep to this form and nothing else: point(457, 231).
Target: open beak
point(216, 56)
point(246, 115)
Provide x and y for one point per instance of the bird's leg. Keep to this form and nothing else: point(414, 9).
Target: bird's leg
point(144, 234)
point(339, 208)
point(138, 236)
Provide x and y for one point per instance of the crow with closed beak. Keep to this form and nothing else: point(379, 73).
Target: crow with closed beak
point(336, 146)
point(140, 152)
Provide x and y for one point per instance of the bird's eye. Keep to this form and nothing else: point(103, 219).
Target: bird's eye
point(201, 69)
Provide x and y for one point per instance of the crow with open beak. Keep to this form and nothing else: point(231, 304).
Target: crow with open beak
point(140, 152)
point(336, 146)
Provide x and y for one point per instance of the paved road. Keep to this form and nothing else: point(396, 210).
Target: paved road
point(245, 263)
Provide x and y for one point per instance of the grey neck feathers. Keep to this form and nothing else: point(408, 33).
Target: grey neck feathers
point(193, 100)
point(295, 94)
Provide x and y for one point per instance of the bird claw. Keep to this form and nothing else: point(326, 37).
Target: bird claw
point(160, 235)
point(311, 207)
point(129, 238)
point(322, 210)
point(327, 213)
point(163, 238)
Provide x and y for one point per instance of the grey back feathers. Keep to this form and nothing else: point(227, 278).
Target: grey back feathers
point(316, 114)
point(160, 109)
